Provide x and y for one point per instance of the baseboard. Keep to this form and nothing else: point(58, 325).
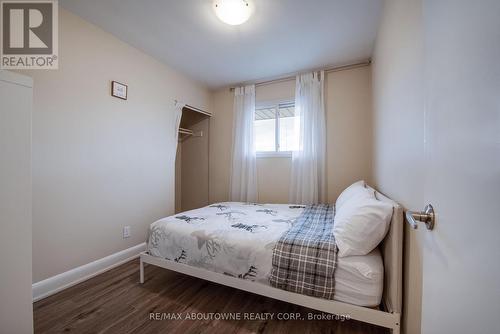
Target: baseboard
point(72, 277)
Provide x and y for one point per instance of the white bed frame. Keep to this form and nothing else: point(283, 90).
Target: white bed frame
point(391, 249)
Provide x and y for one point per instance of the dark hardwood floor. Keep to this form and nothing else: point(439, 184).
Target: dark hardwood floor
point(115, 302)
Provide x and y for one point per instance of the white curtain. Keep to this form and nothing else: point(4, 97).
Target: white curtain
point(244, 171)
point(308, 177)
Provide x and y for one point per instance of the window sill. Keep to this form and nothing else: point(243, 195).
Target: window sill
point(287, 154)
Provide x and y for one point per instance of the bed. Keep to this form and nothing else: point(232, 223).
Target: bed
point(232, 243)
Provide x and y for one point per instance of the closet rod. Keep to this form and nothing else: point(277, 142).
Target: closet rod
point(186, 131)
point(190, 133)
point(291, 76)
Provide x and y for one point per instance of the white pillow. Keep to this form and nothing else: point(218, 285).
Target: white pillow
point(361, 224)
point(349, 192)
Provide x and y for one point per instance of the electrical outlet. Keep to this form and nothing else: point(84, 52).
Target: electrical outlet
point(126, 232)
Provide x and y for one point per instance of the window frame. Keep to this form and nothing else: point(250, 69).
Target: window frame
point(276, 105)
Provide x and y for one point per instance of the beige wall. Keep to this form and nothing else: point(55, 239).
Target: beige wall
point(399, 132)
point(100, 163)
point(349, 135)
point(349, 129)
point(221, 127)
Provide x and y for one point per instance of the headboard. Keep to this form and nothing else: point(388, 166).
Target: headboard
point(392, 253)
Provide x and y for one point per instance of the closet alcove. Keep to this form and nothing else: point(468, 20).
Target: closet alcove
point(191, 162)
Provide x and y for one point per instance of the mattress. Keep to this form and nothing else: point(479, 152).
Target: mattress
point(359, 280)
point(237, 239)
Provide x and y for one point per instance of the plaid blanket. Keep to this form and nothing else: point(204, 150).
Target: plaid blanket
point(305, 257)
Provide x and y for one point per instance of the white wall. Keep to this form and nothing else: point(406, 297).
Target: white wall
point(16, 311)
point(100, 163)
point(398, 125)
point(349, 135)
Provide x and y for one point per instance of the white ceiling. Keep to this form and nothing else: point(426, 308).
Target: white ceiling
point(282, 36)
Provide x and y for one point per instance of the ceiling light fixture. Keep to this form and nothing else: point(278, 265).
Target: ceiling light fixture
point(233, 12)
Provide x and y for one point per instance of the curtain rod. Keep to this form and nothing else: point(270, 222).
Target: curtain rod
point(292, 76)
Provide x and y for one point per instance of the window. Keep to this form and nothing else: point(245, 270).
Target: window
point(276, 128)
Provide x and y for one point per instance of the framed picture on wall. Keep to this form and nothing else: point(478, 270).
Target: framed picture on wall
point(119, 90)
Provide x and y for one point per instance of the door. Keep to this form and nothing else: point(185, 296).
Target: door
point(16, 309)
point(461, 256)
